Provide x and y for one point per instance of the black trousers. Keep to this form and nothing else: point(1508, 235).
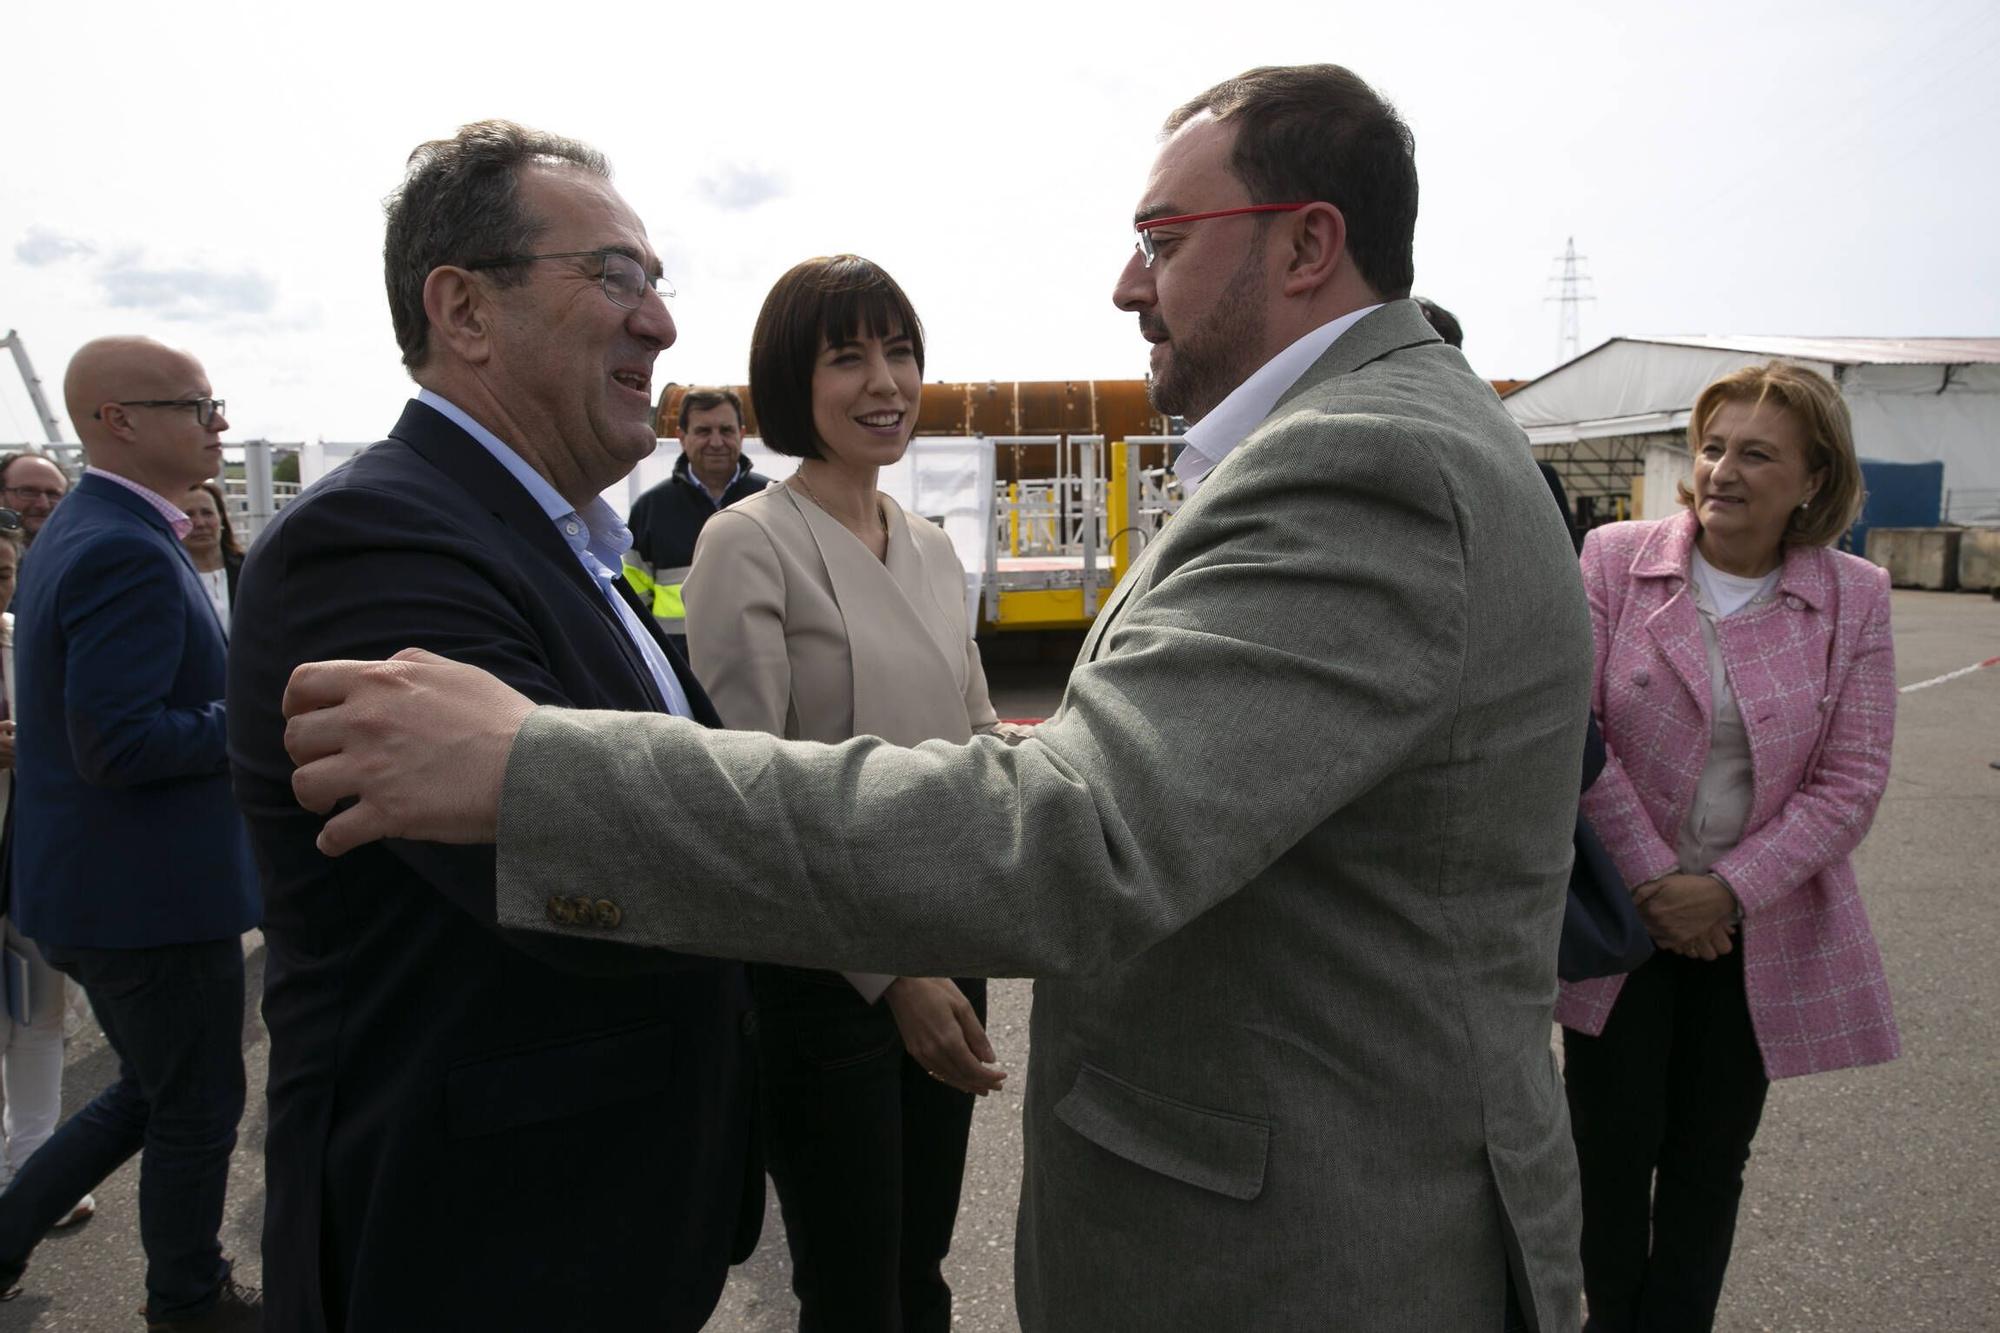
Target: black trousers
point(867, 1150)
point(1663, 1105)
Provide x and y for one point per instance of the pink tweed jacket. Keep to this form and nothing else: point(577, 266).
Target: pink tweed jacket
point(1814, 676)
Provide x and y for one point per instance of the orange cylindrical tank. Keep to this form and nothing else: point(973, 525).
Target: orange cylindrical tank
point(1114, 409)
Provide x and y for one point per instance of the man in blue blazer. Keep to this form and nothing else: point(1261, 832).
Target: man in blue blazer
point(130, 868)
point(470, 1129)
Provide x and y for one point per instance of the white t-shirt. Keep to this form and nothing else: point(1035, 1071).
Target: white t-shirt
point(216, 583)
point(1729, 593)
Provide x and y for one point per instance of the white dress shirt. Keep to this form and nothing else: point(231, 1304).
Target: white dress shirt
point(1216, 435)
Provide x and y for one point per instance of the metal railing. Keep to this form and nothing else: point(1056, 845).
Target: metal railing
point(1061, 515)
point(251, 490)
point(1971, 506)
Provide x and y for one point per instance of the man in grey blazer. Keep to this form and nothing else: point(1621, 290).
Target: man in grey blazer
point(1289, 860)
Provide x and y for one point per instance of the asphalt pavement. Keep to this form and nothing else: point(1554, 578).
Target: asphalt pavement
point(1873, 1196)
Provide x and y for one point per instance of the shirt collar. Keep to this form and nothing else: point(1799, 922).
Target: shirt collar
point(174, 515)
point(1216, 435)
point(594, 530)
point(684, 467)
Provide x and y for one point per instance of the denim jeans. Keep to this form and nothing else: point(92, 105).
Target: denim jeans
point(174, 1017)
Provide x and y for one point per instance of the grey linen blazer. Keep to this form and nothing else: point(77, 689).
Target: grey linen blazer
point(1289, 863)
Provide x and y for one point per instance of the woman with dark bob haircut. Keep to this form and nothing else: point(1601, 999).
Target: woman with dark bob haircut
point(1746, 688)
point(819, 610)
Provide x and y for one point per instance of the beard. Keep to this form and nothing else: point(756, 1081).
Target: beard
point(1218, 353)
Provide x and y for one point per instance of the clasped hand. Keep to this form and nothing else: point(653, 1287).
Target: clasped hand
point(942, 1033)
point(1692, 915)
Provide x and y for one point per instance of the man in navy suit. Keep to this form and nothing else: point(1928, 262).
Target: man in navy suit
point(130, 868)
point(468, 1128)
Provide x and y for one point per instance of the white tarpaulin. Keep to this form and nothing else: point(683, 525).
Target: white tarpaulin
point(948, 478)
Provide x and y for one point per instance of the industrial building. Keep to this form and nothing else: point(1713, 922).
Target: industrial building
point(1613, 421)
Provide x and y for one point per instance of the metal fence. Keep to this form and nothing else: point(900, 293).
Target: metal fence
point(1971, 507)
point(251, 490)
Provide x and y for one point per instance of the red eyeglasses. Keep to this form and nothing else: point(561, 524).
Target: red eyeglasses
point(1144, 242)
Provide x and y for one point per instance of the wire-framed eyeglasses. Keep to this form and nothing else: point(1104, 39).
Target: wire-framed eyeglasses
point(206, 410)
point(1144, 241)
point(623, 278)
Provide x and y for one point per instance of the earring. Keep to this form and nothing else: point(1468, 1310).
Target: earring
point(1806, 503)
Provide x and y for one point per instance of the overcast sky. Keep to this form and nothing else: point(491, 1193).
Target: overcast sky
point(212, 173)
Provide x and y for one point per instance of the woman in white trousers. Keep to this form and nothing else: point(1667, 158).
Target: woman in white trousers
point(31, 1053)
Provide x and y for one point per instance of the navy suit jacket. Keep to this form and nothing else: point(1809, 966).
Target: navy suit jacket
point(468, 1128)
point(126, 835)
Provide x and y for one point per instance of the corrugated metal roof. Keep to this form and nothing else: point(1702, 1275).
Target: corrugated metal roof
point(1847, 351)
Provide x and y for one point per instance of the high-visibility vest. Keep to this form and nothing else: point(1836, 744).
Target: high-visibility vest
point(660, 589)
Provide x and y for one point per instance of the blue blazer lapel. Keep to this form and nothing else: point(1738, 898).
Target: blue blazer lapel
point(704, 711)
point(136, 506)
point(439, 442)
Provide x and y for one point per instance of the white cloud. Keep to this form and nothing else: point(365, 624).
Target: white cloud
point(738, 187)
point(187, 293)
point(43, 246)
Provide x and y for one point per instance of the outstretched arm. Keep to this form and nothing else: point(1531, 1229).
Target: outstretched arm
point(1248, 687)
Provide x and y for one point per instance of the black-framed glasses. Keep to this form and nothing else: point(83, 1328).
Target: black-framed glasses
point(205, 409)
point(1144, 243)
point(624, 279)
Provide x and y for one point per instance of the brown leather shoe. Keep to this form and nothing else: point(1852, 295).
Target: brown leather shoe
point(237, 1309)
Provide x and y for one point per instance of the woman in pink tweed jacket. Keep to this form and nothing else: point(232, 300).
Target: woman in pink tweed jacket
point(1745, 686)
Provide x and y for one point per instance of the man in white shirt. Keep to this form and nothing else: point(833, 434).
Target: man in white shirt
point(1289, 860)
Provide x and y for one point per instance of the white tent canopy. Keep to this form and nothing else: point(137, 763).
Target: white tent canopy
point(1913, 400)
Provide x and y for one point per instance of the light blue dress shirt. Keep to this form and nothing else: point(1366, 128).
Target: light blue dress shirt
point(594, 533)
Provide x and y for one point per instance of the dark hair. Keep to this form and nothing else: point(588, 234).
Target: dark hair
point(230, 546)
point(703, 400)
point(7, 460)
point(460, 201)
point(819, 302)
point(1317, 132)
point(1443, 321)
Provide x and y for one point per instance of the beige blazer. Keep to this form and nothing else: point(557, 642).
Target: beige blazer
point(796, 629)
